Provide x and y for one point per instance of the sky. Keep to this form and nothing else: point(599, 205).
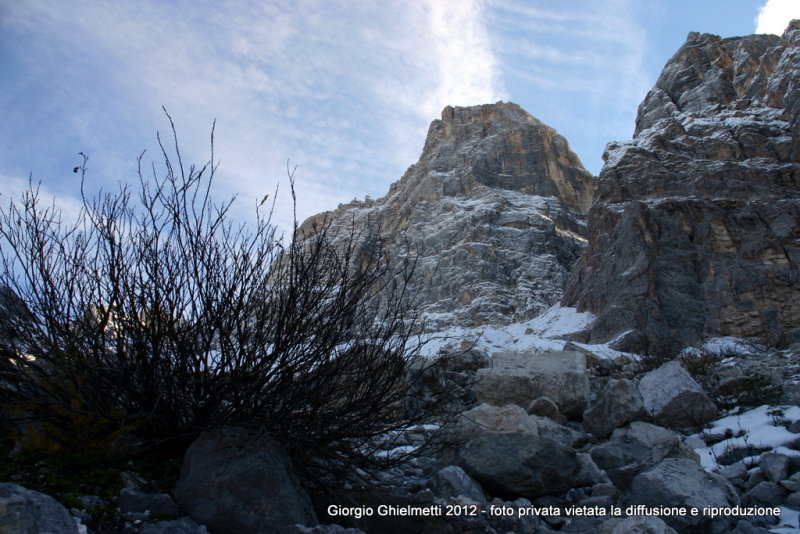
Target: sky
point(343, 91)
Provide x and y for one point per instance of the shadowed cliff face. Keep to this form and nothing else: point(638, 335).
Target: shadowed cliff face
point(695, 226)
point(494, 207)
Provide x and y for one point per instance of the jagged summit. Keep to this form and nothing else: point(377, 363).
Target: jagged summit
point(695, 227)
point(495, 206)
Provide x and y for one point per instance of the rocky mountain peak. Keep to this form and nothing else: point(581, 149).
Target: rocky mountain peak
point(695, 227)
point(459, 124)
point(495, 208)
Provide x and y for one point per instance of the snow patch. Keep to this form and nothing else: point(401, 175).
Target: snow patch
point(760, 427)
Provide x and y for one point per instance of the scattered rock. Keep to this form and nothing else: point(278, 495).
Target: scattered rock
point(519, 378)
point(26, 511)
point(236, 482)
point(673, 398)
point(618, 404)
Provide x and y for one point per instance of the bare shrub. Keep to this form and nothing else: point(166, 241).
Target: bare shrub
point(154, 316)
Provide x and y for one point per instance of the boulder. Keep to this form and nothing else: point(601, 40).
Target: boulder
point(764, 494)
point(26, 511)
point(775, 466)
point(636, 447)
point(452, 481)
point(618, 404)
point(507, 419)
point(513, 465)
point(234, 481)
point(487, 418)
point(681, 482)
point(519, 378)
point(544, 407)
point(673, 398)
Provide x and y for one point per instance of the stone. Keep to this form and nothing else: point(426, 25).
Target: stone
point(694, 231)
point(487, 418)
point(494, 207)
point(673, 398)
point(641, 444)
point(793, 500)
point(509, 418)
point(775, 466)
point(681, 482)
point(634, 448)
point(518, 378)
point(234, 481)
point(618, 404)
point(512, 465)
point(133, 500)
point(26, 511)
point(544, 407)
point(764, 494)
point(452, 481)
point(184, 525)
point(643, 525)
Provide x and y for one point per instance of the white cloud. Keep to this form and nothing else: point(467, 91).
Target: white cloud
point(467, 68)
point(344, 92)
point(775, 15)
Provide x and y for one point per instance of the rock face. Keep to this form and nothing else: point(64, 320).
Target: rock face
point(695, 226)
point(494, 208)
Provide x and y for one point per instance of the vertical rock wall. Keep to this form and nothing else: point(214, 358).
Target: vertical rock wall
point(695, 227)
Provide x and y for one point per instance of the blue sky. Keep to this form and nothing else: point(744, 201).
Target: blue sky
point(344, 90)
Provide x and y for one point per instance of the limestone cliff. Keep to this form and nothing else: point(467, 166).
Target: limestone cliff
point(494, 207)
point(695, 226)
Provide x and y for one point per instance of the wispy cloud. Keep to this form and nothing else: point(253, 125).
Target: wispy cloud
point(775, 15)
point(345, 93)
point(583, 66)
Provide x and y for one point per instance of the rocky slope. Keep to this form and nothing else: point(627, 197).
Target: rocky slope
point(494, 207)
point(695, 227)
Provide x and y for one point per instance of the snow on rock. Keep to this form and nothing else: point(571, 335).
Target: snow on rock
point(761, 428)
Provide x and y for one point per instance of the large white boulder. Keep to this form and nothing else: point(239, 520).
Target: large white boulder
point(519, 378)
point(673, 398)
